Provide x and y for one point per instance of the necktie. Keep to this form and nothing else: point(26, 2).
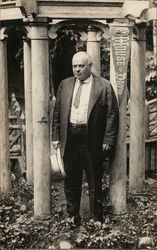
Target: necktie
point(78, 95)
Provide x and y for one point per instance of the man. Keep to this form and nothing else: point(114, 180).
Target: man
point(85, 125)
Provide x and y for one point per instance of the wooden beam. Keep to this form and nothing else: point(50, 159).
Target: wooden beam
point(4, 127)
point(72, 2)
point(90, 12)
point(10, 14)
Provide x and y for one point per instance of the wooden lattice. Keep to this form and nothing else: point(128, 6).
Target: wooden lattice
point(153, 118)
point(16, 132)
point(7, 1)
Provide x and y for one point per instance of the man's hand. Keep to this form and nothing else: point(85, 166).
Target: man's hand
point(106, 147)
point(55, 144)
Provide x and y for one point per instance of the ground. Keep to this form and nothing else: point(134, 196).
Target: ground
point(136, 229)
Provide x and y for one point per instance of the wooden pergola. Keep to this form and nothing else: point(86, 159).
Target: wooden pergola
point(124, 23)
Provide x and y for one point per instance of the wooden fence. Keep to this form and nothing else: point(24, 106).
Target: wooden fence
point(150, 137)
point(7, 1)
point(17, 134)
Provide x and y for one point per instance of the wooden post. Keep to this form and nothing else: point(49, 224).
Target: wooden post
point(147, 159)
point(41, 133)
point(153, 158)
point(137, 112)
point(146, 120)
point(156, 160)
point(93, 48)
point(147, 147)
point(118, 166)
point(28, 110)
point(120, 48)
point(4, 124)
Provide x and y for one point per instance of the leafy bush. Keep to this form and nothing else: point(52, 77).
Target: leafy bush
point(151, 76)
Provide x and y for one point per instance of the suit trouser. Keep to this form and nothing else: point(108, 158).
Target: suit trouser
point(77, 159)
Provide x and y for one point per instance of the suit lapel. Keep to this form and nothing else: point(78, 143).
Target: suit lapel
point(95, 92)
point(68, 93)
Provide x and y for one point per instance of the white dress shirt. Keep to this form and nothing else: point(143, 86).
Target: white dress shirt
point(79, 115)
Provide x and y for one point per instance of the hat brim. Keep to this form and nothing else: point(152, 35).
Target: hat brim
point(60, 162)
point(54, 163)
point(57, 163)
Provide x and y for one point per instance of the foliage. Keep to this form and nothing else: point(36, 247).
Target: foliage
point(19, 229)
point(66, 36)
point(68, 42)
point(105, 59)
point(62, 50)
point(151, 76)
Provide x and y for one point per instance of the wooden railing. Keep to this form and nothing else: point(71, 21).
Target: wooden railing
point(17, 133)
point(6, 2)
point(152, 111)
point(150, 135)
point(151, 140)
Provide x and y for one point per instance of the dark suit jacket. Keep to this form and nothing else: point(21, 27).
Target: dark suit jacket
point(103, 114)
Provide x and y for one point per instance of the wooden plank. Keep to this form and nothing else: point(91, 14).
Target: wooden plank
point(146, 121)
point(153, 132)
point(12, 117)
point(7, 2)
point(63, 2)
point(14, 127)
point(156, 158)
point(14, 140)
point(10, 14)
point(90, 12)
point(151, 140)
point(153, 126)
point(15, 150)
point(152, 101)
point(147, 158)
point(154, 110)
point(153, 157)
point(152, 119)
point(14, 157)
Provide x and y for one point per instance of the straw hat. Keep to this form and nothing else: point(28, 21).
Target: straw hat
point(57, 162)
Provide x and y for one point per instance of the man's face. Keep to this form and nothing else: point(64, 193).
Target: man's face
point(81, 67)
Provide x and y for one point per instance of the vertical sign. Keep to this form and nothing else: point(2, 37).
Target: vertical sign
point(120, 46)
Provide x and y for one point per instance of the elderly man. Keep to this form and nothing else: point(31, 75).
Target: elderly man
point(85, 125)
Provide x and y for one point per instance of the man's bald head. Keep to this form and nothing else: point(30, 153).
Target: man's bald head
point(84, 55)
point(82, 65)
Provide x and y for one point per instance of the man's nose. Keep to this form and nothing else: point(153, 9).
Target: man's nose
point(77, 68)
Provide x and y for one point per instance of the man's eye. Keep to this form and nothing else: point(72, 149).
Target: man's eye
point(78, 66)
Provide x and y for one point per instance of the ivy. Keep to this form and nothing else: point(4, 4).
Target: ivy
point(151, 76)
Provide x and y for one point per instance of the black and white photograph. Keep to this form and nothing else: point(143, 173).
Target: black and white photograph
point(78, 124)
